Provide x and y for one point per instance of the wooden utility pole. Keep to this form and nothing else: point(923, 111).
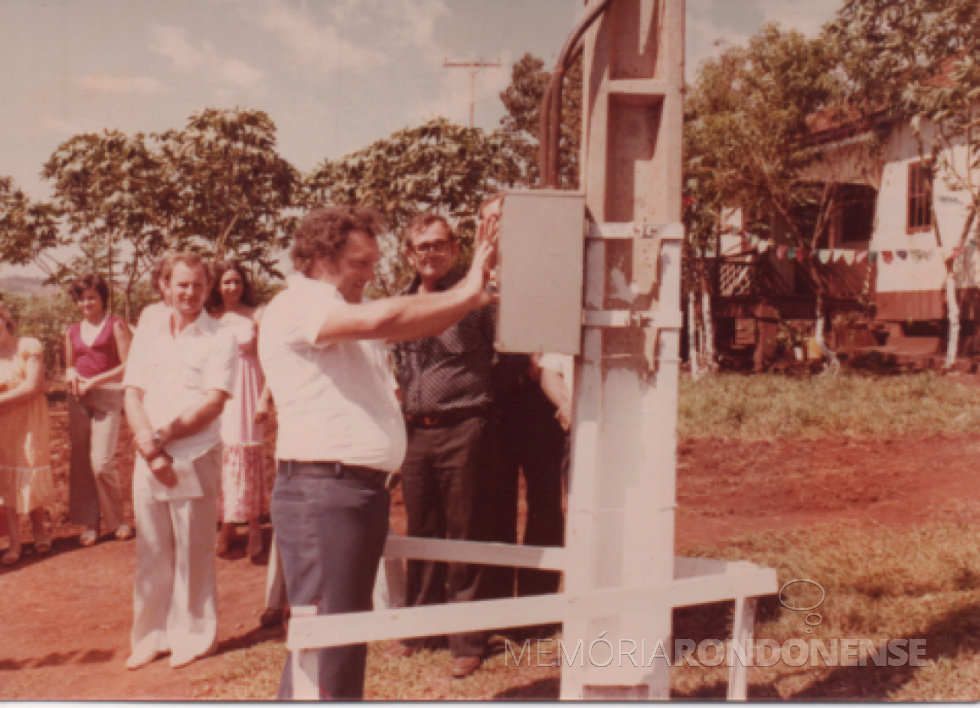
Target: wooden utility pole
point(474, 68)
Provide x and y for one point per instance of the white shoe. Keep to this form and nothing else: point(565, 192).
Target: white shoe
point(124, 532)
point(138, 661)
point(88, 537)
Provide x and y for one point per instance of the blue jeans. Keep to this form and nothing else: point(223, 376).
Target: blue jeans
point(330, 533)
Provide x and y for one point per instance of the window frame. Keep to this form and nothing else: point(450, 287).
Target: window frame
point(918, 200)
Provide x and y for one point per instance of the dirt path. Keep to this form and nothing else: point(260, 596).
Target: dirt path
point(65, 618)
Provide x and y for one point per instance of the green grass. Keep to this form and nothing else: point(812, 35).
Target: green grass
point(880, 583)
point(767, 406)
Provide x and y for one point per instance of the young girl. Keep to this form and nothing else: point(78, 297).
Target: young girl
point(96, 351)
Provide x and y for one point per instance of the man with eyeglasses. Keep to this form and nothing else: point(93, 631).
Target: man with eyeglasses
point(447, 399)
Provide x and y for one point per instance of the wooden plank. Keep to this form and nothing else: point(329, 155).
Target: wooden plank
point(435, 549)
point(356, 627)
point(742, 631)
point(306, 680)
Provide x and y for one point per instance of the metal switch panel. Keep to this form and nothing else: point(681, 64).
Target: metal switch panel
point(540, 272)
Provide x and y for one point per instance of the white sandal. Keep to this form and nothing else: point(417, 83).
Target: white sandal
point(88, 537)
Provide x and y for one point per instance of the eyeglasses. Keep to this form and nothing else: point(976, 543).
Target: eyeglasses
point(440, 248)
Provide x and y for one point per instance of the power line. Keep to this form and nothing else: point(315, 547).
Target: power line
point(474, 68)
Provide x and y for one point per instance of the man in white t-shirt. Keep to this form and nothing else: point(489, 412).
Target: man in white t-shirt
point(341, 436)
point(180, 372)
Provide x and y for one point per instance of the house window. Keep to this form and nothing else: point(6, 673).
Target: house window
point(920, 200)
point(857, 213)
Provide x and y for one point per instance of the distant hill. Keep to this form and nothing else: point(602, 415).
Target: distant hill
point(27, 286)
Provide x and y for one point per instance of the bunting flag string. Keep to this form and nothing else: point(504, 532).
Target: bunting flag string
point(850, 256)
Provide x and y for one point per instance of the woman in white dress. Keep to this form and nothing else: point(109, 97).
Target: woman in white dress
point(242, 497)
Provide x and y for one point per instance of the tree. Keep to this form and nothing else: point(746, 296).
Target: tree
point(522, 100)
point(228, 189)
point(218, 187)
point(439, 166)
point(109, 189)
point(746, 133)
point(29, 230)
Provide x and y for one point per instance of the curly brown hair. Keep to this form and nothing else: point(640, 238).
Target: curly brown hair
point(323, 233)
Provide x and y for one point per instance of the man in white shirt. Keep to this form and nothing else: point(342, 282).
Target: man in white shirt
point(180, 373)
point(341, 432)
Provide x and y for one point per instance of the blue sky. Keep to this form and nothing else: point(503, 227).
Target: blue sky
point(334, 75)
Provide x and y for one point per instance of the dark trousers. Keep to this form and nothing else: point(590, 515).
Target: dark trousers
point(330, 534)
point(533, 442)
point(443, 481)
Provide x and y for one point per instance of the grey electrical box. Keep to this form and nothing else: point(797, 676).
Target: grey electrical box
point(542, 248)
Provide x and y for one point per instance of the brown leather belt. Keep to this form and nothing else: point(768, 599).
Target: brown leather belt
point(338, 470)
point(446, 418)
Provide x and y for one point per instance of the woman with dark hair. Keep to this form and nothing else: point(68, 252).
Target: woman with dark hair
point(242, 496)
point(96, 350)
point(25, 449)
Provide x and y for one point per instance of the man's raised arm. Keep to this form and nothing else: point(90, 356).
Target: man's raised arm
point(414, 317)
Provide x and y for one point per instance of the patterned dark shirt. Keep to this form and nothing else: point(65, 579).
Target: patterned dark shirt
point(457, 369)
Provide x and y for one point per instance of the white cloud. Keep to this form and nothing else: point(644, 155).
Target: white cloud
point(104, 84)
point(312, 45)
point(173, 43)
point(706, 39)
point(54, 124)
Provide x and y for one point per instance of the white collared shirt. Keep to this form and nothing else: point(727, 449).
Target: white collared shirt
point(175, 373)
point(335, 400)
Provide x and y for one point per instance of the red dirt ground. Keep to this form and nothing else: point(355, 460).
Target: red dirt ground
point(65, 618)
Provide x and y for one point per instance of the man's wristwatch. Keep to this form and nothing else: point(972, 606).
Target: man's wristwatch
point(157, 439)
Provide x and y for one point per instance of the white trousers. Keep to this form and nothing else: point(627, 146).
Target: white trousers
point(175, 599)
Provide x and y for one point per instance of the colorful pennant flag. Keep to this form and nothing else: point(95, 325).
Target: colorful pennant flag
point(872, 257)
point(801, 254)
point(791, 253)
point(824, 255)
point(887, 256)
point(781, 252)
point(860, 256)
point(849, 257)
point(763, 245)
point(902, 254)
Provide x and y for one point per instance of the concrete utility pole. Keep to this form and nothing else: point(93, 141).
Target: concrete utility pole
point(474, 68)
